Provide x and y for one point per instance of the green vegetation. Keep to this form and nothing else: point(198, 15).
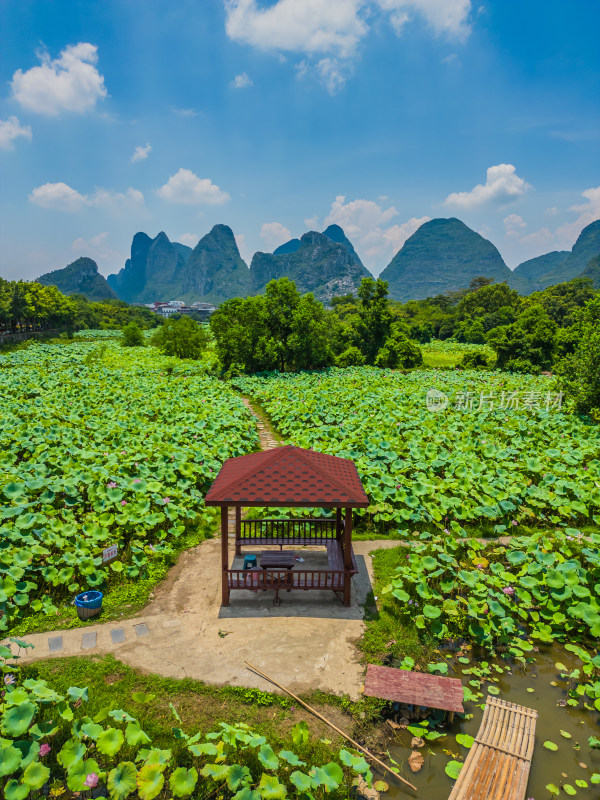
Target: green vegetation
point(541, 585)
point(102, 445)
point(182, 338)
point(132, 336)
point(501, 455)
point(285, 331)
point(30, 306)
point(61, 735)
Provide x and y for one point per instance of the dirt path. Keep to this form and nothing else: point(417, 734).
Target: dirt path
point(306, 643)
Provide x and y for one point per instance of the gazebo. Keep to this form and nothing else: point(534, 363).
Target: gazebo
point(288, 477)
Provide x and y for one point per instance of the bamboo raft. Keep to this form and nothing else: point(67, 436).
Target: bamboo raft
point(497, 766)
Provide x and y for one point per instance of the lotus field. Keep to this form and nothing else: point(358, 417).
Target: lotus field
point(505, 451)
point(102, 445)
point(50, 739)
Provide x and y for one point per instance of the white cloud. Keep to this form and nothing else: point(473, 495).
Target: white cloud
point(188, 189)
point(274, 234)
point(58, 196)
point(502, 186)
point(11, 129)
point(311, 223)
point(191, 239)
point(452, 60)
point(141, 153)
point(513, 225)
point(448, 17)
point(70, 82)
point(588, 212)
point(366, 224)
point(328, 32)
point(99, 249)
point(300, 26)
point(185, 112)
point(538, 240)
point(551, 212)
point(111, 200)
point(62, 197)
point(242, 81)
point(332, 74)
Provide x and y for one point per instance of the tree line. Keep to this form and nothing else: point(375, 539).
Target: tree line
point(556, 329)
point(30, 306)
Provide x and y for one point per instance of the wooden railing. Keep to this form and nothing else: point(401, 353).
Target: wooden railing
point(282, 531)
point(263, 580)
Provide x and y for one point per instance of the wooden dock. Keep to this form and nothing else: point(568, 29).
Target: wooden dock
point(498, 764)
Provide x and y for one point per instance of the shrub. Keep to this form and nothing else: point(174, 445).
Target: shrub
point(132, 336)
point(182, 338)
point(351, 357)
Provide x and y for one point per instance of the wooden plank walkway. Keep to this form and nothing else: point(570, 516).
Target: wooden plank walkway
point(498, 764)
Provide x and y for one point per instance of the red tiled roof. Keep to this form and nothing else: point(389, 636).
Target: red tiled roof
point(288, 476)
point(414, 688)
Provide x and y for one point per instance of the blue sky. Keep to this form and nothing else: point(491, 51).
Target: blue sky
point(278, 117)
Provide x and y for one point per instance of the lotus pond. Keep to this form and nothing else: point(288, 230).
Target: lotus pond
point(102, 445)
point(501, 454)
point(519, 620)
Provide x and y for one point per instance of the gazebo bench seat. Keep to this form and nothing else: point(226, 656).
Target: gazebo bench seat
point(280, 541)
point(335, 557)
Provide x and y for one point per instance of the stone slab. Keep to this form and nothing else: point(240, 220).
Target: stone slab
point(117, 635)
point(55, 644)
point(141, 629)
point(88, 640)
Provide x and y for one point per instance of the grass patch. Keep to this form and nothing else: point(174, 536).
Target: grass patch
point(199, 706)
point(388, 637)
point(122, 598)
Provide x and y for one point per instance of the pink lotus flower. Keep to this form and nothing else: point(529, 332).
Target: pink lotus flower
point(137, 480)
point(508, 590)
point(111, 485)
point(136, 463)
point(91, 780)
point(123, 452)
point(123, 502)
point(166, 500)
point(44, 750)
point(446, 530)
point(9, 679)
point(514, 522)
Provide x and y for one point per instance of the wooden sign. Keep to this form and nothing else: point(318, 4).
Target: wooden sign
point(109, 554)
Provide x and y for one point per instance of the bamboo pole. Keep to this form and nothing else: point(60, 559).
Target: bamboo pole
point(331, 725)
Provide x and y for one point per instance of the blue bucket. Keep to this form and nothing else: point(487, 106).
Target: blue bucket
point(88, 604)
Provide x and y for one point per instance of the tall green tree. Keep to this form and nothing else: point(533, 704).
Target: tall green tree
point(375, 317)
point(581, 369)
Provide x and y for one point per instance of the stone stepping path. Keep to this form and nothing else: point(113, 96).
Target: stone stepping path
point(69, 642)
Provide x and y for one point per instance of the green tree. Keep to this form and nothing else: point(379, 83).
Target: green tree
point(132, 336)
point(399, 352)
point(528, 344)
point(375, 317)
point(581, 370)
point(280, 330)
point(182, 338)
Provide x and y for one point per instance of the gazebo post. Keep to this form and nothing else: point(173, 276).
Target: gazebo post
point(238, 530)
point(347, 547)
point(224, 555)
point(338, 524)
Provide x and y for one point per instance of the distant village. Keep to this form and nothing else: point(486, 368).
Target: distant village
point(199, 311)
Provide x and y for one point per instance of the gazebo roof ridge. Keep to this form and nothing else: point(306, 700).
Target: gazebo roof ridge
point(306, 477)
